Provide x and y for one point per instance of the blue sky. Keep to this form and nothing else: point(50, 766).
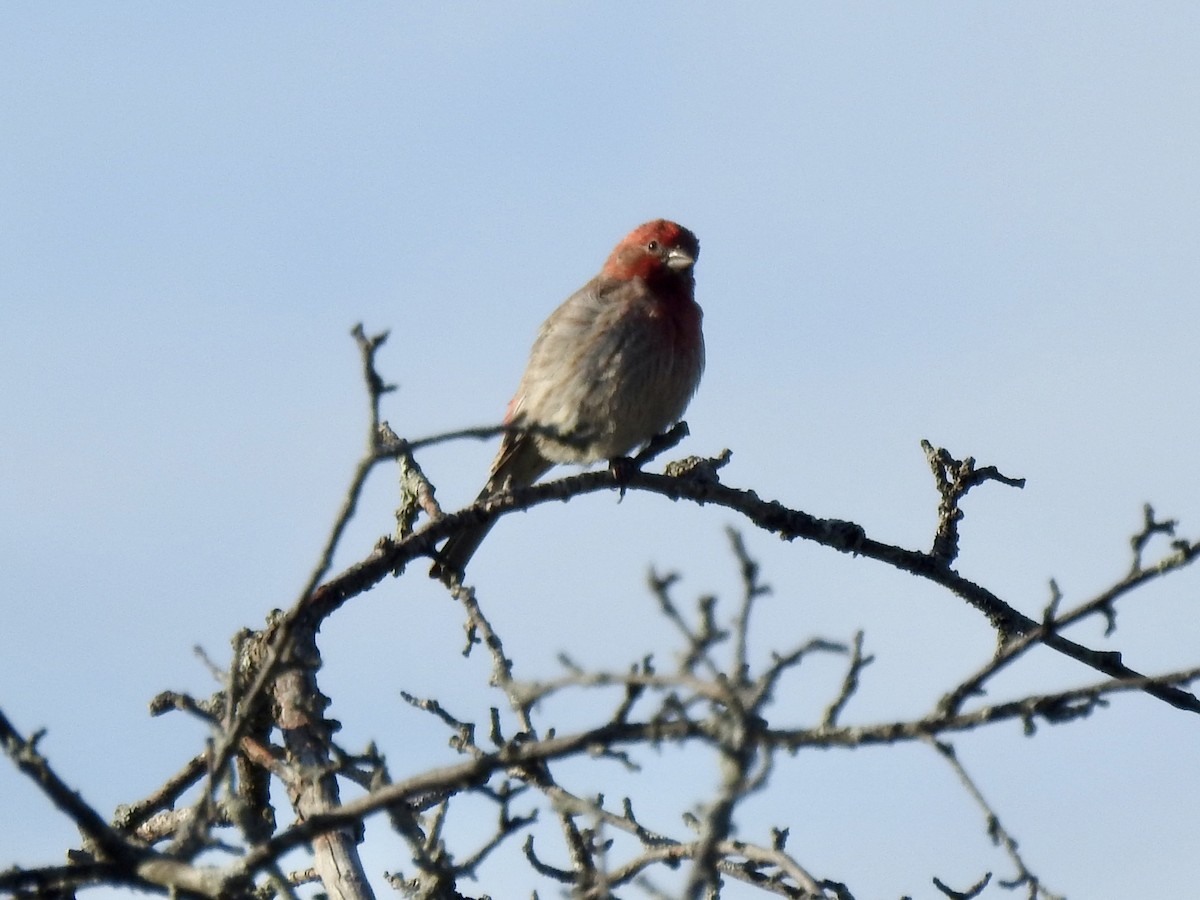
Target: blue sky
point(971, 223)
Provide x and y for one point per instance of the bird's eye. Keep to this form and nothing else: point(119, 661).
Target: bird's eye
point(652, 246)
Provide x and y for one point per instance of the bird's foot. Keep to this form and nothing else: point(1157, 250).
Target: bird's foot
point(623, 468)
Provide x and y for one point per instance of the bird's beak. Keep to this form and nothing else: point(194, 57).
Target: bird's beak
point(678, 261)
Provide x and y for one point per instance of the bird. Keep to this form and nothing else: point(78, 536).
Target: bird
point(611, 368)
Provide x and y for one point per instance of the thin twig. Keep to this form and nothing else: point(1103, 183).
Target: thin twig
point(996, 831)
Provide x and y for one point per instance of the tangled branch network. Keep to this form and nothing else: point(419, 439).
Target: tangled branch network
point(219, 827)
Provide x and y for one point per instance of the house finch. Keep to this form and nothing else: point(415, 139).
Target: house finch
point(611, 368)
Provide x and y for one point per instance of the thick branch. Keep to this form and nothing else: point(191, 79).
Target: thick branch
point(391, 557)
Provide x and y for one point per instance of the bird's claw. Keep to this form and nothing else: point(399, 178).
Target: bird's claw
point(622, 469)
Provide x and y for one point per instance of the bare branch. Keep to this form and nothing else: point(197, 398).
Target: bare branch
point(970, 893)
point(133, 815)
point(393, 556)
point(954, 478)
point(858, 662)
point(24, 754)
point(752, 589)
point(1150, 527)
point(996, 832)
point(715, 702)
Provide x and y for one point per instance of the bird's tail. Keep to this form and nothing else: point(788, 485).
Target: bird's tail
point(452, 559)
point(519, 464)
